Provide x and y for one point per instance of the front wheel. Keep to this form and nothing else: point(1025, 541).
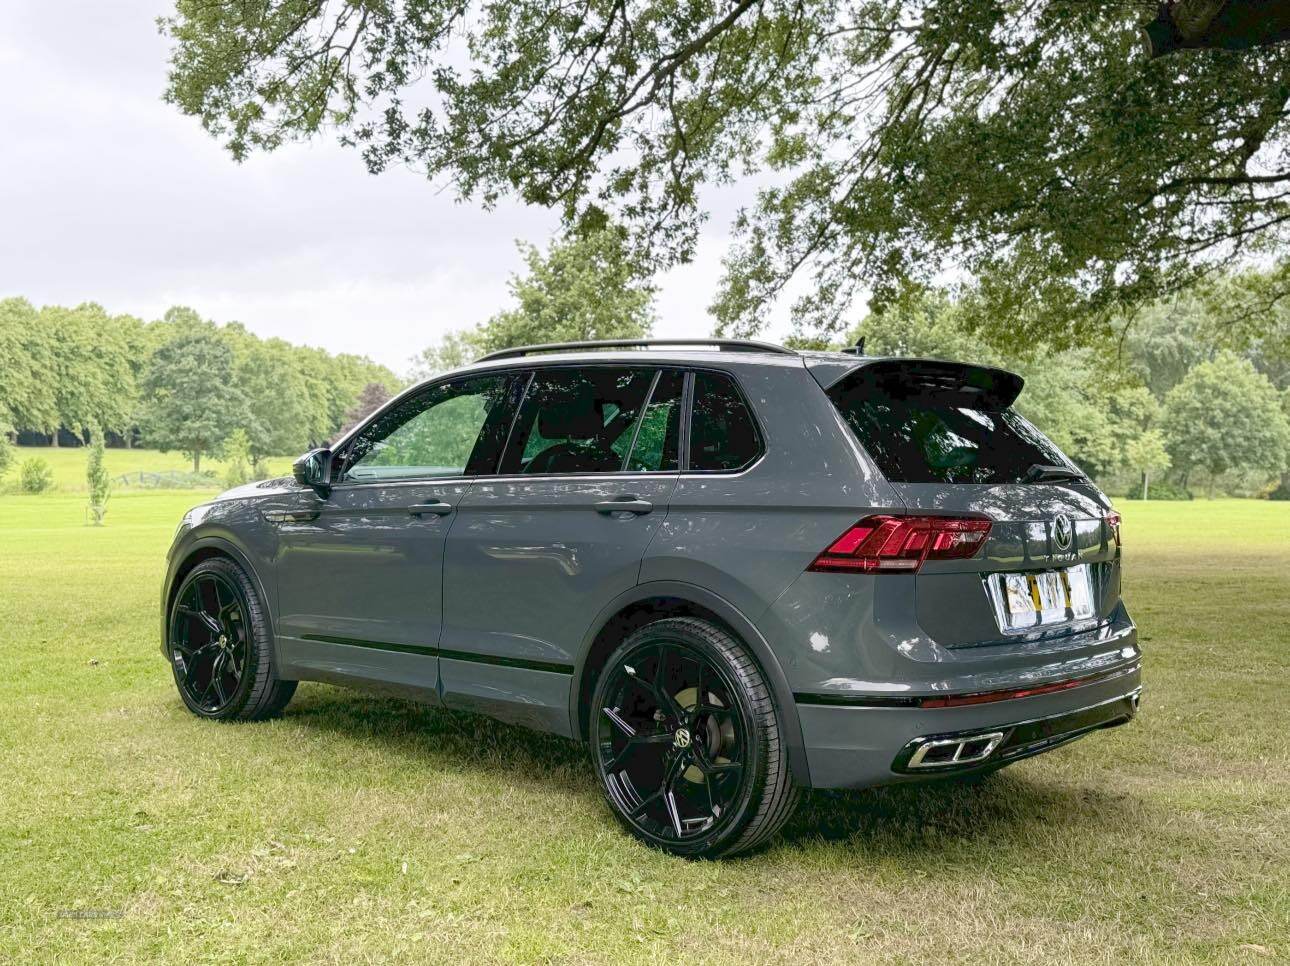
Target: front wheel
point(686, 741)
point(220, 646)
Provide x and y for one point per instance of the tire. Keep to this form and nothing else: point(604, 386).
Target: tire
point(687, 744)
point(221, 646)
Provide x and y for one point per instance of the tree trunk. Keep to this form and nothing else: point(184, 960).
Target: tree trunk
point(1223, 24)
point(53, 438)
point(197, 462)
point(1145, 478)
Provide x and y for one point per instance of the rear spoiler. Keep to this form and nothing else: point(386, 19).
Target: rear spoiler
point(983, 386)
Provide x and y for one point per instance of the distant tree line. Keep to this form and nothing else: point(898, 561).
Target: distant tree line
point(179, 383)
point(1194, 394)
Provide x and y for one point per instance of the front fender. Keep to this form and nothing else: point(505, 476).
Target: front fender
point(197, 545)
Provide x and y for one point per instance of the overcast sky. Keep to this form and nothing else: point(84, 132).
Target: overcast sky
point(109, 195)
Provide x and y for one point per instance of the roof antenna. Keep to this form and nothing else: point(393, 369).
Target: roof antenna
point(857, 349)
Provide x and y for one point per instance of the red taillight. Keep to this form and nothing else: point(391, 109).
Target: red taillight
point(891, 544)
point(1113, 524)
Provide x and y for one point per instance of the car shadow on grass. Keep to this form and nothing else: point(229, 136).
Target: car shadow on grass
point(899, 820)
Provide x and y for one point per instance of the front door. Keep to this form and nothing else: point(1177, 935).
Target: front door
point(360, 573)
point(536, 552)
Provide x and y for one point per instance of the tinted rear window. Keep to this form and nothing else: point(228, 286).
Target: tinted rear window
point(920, 434)
point(723, 436)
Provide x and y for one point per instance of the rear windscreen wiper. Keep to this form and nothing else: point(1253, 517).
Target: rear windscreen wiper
point(1043, 473)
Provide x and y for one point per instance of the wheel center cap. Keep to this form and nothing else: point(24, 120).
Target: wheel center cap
point(682, 738)
point(223, 640)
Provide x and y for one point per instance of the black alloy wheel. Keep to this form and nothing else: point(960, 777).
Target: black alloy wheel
point(685, 741)
point(219, 646)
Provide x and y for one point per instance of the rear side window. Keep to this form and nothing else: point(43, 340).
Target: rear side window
point(920, 433)
point(600, 419)
point(723, 436)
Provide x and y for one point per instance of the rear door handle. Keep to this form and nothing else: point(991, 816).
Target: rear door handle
point(428, 509)
point(624, 504)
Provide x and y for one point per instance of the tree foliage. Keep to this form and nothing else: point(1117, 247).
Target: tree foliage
point(83, 369)
point(1225, 416)
point(1031, 142)
point(581, 288)
point(189, 400)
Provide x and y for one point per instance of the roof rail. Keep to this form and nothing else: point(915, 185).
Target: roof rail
point(727, 345)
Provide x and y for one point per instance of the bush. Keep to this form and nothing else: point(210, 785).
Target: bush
point(1159, 490)
point(6, 451)
point(35, 476)
point(237, 450)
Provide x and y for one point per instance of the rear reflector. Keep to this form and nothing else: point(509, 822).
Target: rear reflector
point(892, 544)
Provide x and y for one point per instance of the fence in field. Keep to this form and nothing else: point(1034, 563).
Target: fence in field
point(165, 479)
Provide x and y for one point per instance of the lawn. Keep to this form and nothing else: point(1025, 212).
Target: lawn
point(362, 828)
point(68, 465)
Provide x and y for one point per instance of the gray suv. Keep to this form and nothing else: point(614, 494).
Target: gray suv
point(732, 569)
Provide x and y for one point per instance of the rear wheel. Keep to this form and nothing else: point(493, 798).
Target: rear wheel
point(686, 741)
point(220, 646)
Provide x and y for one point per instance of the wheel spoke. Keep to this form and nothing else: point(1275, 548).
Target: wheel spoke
point(662, 693)
point(613, 715)
point(637, 742)
point(203, 618)
point(670, 799)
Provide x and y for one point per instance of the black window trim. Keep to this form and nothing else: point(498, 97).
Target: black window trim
point(518, 391)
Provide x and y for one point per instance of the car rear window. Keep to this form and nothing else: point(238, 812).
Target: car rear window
point(936, 433)
point(723, 436)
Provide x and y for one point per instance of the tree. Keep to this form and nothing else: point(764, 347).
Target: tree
point(1033, 145)
point(372, 398)
point(1225, 416)
point(582, 288)
point(454, 350)
point(91, 376)
point(27, 399)
point(97, 480)
point(277, 419)
point(1147, 454)
point(190, 401)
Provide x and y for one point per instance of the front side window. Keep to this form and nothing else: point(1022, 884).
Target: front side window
point(723, 436)
point(590, 421)
point(453, 429)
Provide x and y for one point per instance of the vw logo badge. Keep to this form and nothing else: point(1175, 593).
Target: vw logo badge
point(682, 738)
point(1063, 531)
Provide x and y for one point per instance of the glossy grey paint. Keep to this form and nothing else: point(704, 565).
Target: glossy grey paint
point(505, 595)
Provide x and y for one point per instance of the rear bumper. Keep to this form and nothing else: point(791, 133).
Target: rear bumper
point(859, 747)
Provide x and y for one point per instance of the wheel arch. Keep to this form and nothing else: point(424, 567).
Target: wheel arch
point(665, 598)
point(201, 549)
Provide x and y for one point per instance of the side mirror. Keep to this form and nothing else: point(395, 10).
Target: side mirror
point(314, 469)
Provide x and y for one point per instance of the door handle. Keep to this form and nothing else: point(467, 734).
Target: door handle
point(436, 509)
point(624, 504)
point(290, 516)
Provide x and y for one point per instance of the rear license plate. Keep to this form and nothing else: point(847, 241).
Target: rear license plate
point(1024, 602)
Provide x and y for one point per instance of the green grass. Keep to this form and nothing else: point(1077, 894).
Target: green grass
point(68, 464)
point(362, 828)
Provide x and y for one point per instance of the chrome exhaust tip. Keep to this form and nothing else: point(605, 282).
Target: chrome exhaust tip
point(948, 752)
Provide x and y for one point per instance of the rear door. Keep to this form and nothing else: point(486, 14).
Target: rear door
point(537, 551)
point(946, 438)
